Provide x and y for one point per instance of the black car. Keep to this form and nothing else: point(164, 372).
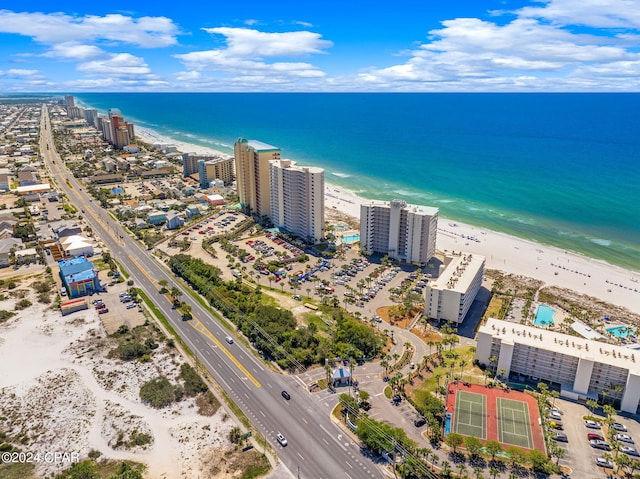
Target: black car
point(419, 422)
point(286, 395)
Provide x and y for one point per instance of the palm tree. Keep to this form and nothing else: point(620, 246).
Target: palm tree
point(446, 469)
point(494, 471)
point(431, 344)
point(461, 468)
point(477, 471)
point(463, 363)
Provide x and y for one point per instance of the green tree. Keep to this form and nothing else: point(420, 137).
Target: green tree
point(473, 445)
point(494, 471)
point(80, 470)
point(538, 460)
point(454, 441)
point(125, 471)
point(517, 456)
point(493, 448)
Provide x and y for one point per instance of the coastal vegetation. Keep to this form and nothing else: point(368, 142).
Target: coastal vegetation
point(273, 330)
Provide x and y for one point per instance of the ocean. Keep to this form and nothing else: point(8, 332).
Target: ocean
point(559, 169)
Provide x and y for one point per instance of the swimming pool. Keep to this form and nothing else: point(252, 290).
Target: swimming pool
point(350, 238)
point(620, 331)
point(544, 316)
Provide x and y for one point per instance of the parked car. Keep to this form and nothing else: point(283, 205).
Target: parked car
point(592, 424)
point(632, 451)
point(419, 422)
point(281, 439)
point(619, 427)
point(297, 297)
point(103, 310)
point(131, 305)
point(597, 437)
point(624, 438)
point(595, 443)
point(602, 462)
point(556, 425)
point(560, 437)
point(555, 415)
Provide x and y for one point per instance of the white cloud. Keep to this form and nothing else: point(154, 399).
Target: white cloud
point(251, 43)
point(121, 64)
point(17, 72)
point(57, 28)
point(246, 52)
point(532, 51)
point(74, 51)
point(592, 13)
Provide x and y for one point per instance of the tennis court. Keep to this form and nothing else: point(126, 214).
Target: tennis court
point(514, 426)
point(470, 417)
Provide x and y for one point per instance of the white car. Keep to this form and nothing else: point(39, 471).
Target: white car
point(624, 438)
point(229, 339)
point(592, 424)
point(281, 439)
point(602, 462)
point(619, 427)
point(632, 451)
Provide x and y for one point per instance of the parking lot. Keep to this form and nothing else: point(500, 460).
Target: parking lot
point(579, 455)
point(118, 312)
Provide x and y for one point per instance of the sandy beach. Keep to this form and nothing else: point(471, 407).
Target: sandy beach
point(553, 266)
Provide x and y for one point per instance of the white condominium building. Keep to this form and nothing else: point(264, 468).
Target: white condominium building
point(252, 174)
point(297, 199)
point(450, 296)
point(583, 368)
point(401, 231)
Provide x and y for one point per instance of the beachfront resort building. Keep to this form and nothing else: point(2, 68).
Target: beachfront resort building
point(252, 174)
point(401, 231)
point(581, 368)
point(209, 168)
point(450, 296)
point(297, 199)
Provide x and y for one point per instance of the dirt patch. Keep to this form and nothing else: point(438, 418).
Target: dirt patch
point(420, 330)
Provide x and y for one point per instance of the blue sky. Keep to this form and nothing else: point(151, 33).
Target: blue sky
point(334, 45)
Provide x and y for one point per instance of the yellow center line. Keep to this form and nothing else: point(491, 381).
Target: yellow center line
point(143, 271)
point(202, 329)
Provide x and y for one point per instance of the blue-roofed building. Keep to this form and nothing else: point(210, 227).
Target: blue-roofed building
point(78, 276)
point(192, 210)
point(156, 217)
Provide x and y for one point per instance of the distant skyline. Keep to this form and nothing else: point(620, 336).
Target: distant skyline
point(334, 46)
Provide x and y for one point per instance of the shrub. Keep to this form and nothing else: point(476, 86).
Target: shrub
point(158, 392)
point(130, 351)
point(23, 304)
point(193, 384)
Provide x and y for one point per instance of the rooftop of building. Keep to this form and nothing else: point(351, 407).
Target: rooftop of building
point(293, 165)
point(419, 209)
point(460, 272)
point(610, 354)
point(79, 268)
point(261, 146)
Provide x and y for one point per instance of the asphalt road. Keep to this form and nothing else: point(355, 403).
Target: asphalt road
point(317, 448)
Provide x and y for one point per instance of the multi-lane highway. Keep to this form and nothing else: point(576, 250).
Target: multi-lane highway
point(316, 448)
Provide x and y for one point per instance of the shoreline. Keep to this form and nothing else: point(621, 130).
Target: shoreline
point(549, 264)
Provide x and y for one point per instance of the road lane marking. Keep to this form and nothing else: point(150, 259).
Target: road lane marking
point(301, 456)
point(196, 324)
point(349, 465)
point(305, 421)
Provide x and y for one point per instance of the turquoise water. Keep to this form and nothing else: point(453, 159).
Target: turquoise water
point(620, 331)
point(350, 238)
point(479, 158)
point(544, 316)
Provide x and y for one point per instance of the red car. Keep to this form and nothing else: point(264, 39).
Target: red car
point(103, 310)
point(597, 437)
